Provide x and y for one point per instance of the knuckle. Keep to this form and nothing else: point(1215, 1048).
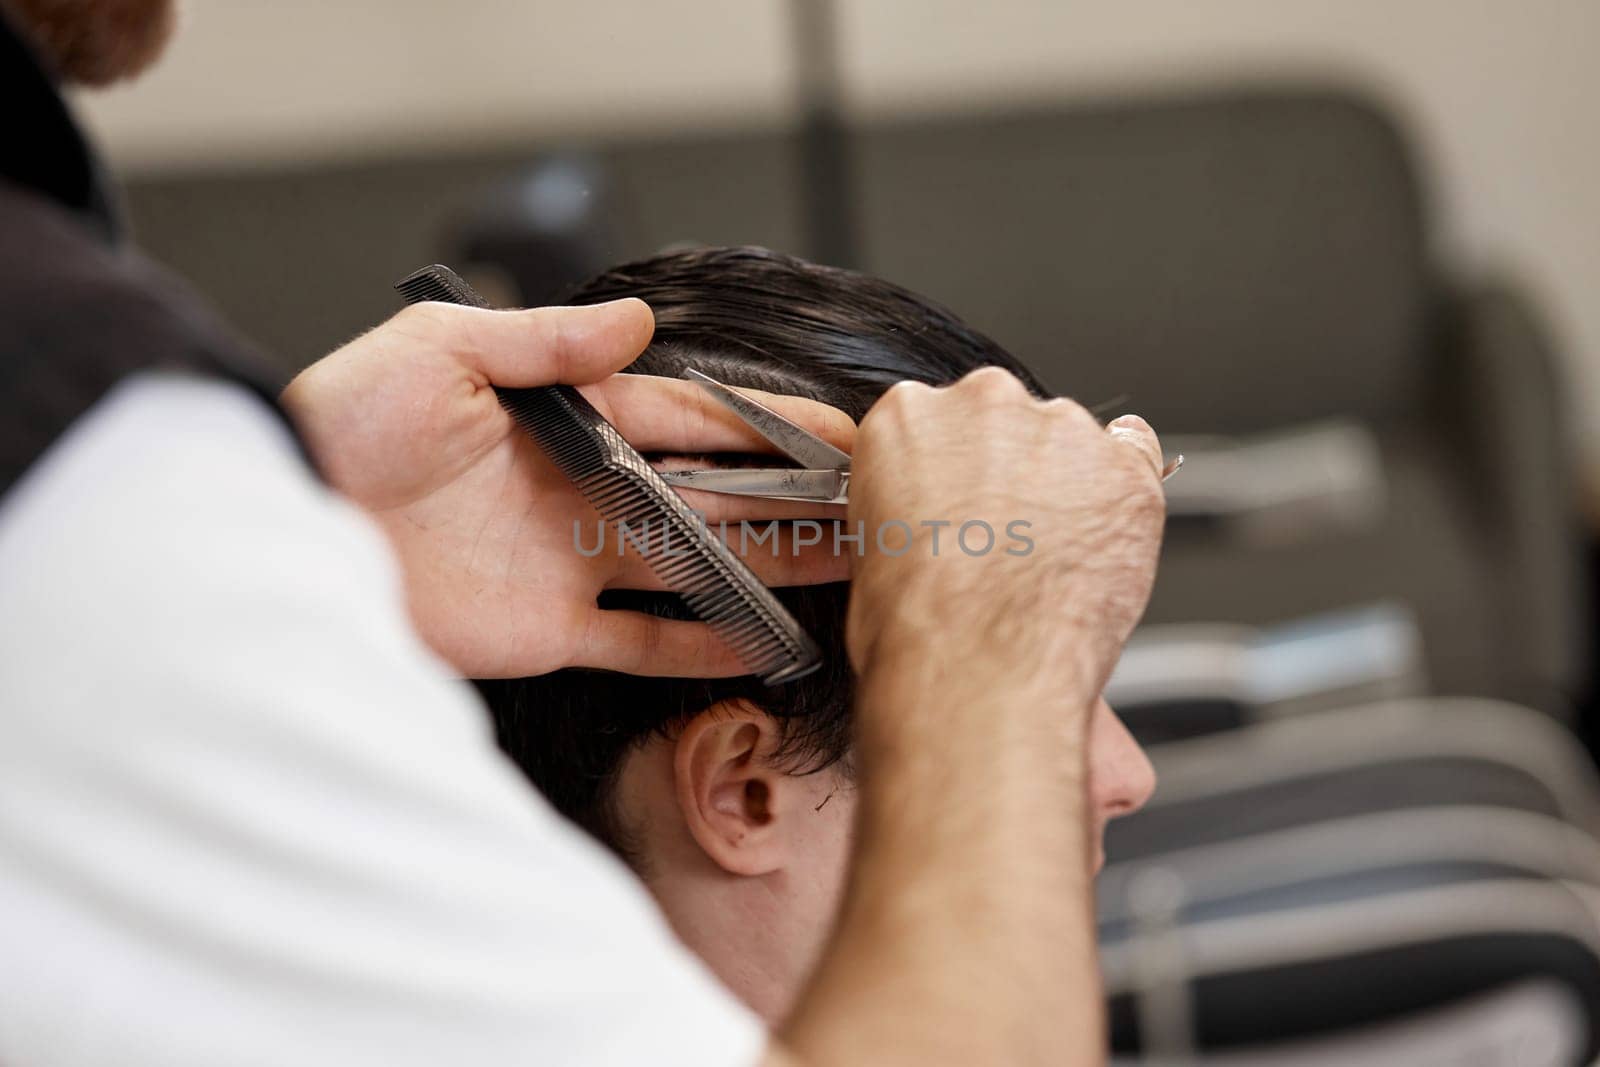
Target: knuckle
point(551, 333)
point(905, 391)
point(896, 403)
point(1073, 414)
point(648, 649)
point(993, 383)
point(695, 417)
point(1067, 417)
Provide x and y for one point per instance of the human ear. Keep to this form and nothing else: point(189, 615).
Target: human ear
point(739, 808)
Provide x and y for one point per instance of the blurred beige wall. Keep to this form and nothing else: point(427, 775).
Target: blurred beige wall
point(1502, 95)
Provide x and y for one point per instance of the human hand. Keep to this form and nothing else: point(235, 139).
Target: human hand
point(1063, 590)
point(404, 422)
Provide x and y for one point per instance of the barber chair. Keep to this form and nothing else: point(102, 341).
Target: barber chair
point(1257, 268)
point(1414, 881)
point(1182, 680)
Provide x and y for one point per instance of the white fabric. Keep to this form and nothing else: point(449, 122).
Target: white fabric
point(247, 818)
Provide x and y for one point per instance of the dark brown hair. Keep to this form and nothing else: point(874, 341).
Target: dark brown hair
point(753, 318)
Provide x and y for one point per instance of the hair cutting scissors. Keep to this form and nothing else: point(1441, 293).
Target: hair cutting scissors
point(823, 475)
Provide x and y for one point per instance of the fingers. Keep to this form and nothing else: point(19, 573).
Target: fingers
point(1133, 431)
point(542, 346)
point(782, 555)
point(672, 415)
point(587, 346)
point(636, 643)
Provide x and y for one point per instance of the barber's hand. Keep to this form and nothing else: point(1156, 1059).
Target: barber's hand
point(984, 449)
point(403, 421)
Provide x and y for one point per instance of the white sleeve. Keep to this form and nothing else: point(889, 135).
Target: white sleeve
point(247, 818)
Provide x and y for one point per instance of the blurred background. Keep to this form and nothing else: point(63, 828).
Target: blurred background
point(1344, 255)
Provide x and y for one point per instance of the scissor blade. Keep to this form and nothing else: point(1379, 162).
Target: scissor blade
point(800, 445)
point(821, 487)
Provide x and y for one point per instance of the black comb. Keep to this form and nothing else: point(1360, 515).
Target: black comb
point(624, 488)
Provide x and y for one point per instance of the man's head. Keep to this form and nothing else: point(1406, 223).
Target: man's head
point(732, 800)
point(94, 42)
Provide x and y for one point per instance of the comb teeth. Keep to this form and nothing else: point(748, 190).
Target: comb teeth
point(438, 282)
point(714, 583)
point(623, 487)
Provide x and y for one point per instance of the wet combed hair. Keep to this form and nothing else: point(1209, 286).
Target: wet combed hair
point(752, 318)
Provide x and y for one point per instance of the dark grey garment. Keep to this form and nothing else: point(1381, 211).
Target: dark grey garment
point(78, 312)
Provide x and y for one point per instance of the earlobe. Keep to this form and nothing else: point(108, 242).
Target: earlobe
point(728, 793)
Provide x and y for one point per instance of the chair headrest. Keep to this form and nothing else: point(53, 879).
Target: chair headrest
point(1233, 262)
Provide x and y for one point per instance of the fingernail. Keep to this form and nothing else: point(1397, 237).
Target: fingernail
point(613, 305)
point(1128, 422)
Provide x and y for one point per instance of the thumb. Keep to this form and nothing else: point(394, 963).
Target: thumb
point(1132, 430)
point(550, 345)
